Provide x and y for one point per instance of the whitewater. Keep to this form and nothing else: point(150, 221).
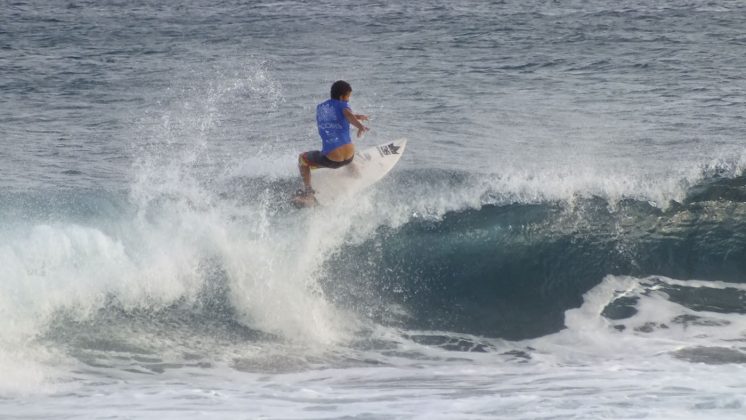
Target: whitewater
point(564, 238)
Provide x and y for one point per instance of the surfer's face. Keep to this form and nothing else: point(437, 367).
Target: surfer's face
point(346, 96)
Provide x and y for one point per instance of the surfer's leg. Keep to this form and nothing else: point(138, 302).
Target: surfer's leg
point(312, 160)
point(305, 171)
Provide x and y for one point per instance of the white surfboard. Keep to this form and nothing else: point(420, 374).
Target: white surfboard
point(368, 167)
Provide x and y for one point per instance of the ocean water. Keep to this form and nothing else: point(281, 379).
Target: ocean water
point(564, 238)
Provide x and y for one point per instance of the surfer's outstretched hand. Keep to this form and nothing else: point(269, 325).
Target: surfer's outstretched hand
point(355, 119)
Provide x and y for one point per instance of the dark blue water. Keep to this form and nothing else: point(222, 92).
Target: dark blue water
point(479, 270)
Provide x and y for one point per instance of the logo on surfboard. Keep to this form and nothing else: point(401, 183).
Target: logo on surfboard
point(388, 149)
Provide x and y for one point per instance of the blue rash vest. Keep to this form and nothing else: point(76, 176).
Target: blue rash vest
point(334, 128)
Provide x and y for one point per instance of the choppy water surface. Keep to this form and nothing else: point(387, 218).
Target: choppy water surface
point(564, 238)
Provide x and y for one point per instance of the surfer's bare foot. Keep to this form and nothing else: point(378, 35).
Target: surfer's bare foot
point(304, 199)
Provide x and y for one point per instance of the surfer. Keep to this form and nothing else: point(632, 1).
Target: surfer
point(333, 118)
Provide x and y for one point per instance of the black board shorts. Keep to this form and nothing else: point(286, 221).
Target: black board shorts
point(315, 159)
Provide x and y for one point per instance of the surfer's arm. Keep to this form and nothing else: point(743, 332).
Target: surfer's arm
point(353, 119)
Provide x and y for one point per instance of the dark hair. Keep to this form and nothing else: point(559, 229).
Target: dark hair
point(339, 88)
